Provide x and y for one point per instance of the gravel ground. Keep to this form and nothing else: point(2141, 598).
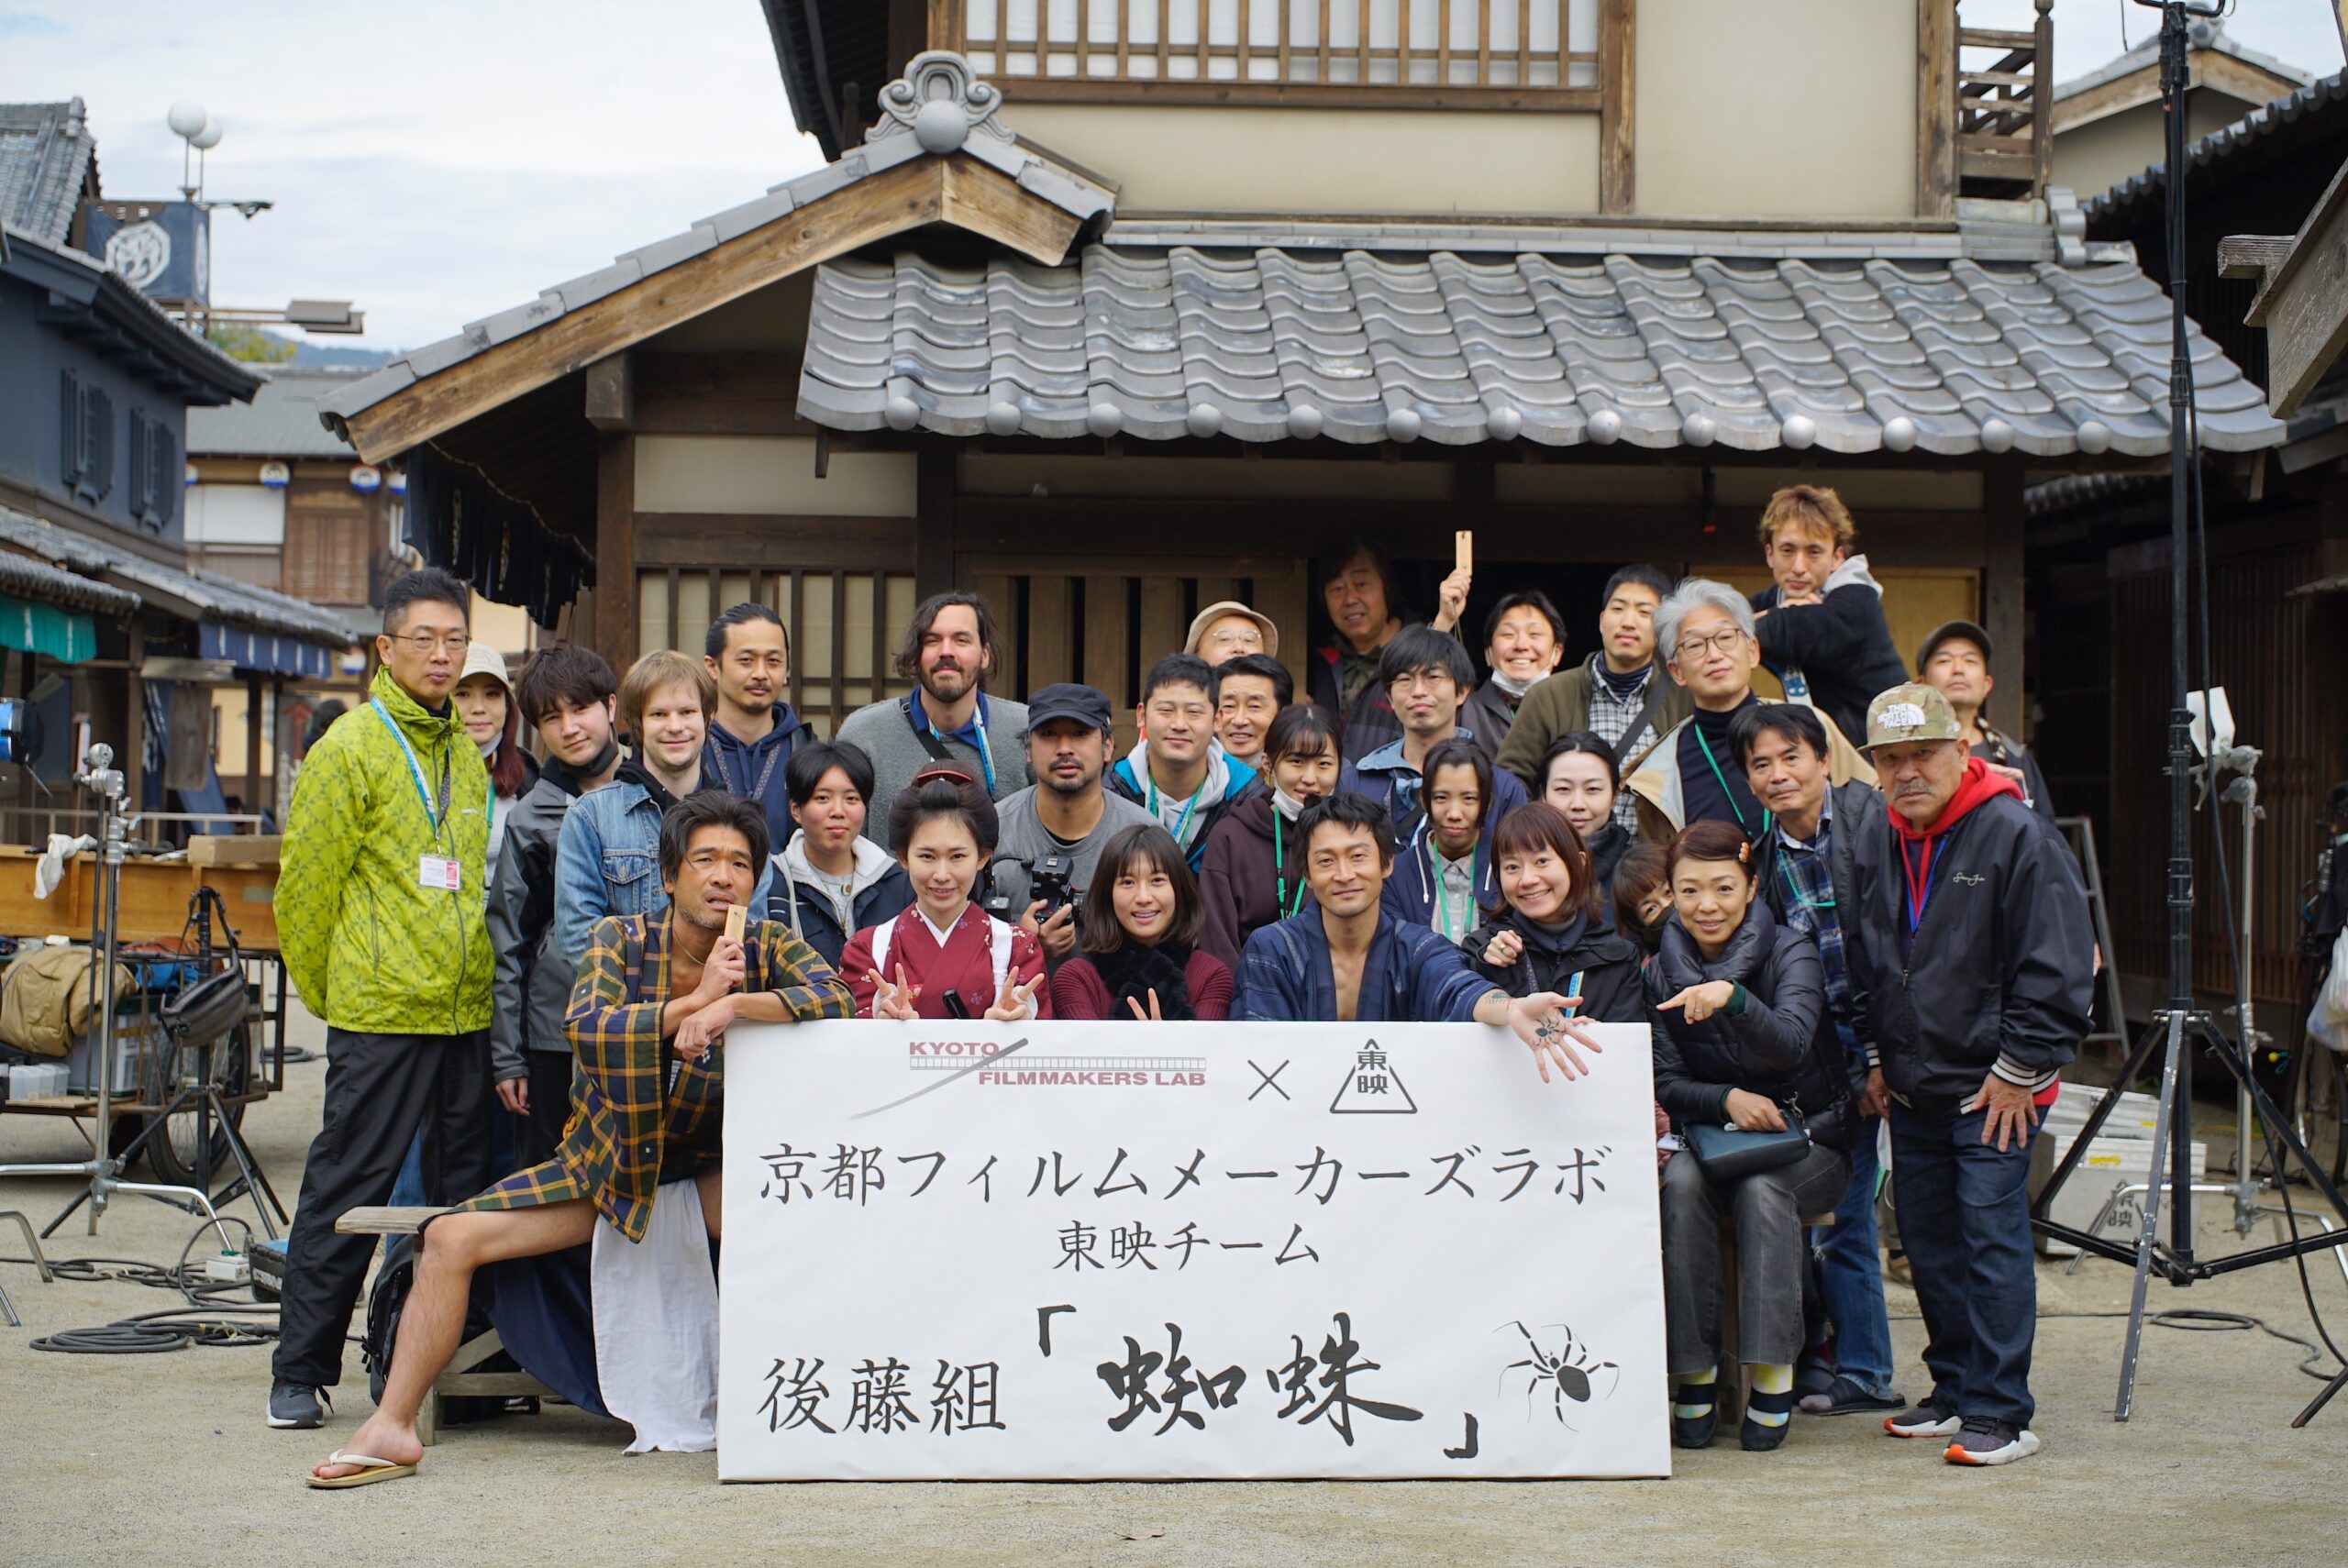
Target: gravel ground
point(139, 1459)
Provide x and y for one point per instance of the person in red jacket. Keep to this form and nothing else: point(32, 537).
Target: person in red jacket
point(944, 956)
point(1137, 955)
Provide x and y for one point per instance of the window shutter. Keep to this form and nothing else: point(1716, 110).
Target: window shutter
point(163, 477)
point(97, 441)
point(69, 419)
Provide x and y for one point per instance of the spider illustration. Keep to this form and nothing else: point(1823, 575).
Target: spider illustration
point(1568, 1371)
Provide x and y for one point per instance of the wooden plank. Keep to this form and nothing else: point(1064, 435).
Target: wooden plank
point(615, 548)
point(1617, 112)
point(1994, 37)
point(1162, 621)
point(1308, 95)
point(1443, 45)
point(1164, 44)
point(696, 539)
point(2002, 578)
point(1280, 591)
point(2304, 306)
point(234, 849)
point(1935, 108)
point(1000, 592)
point(2042, 102)
point(383, 1221)
point(1051, 616)
point(611, 394)
point(993, 207)
point(1108, 667)
point(718, 395)
point(889, 202)
point(1525, 43)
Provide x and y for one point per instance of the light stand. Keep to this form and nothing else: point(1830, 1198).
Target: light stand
point(103, 1170)
point(2176, 1027)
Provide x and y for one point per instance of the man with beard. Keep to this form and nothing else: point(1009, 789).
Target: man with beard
point(948, 652)
point(1056, 826)
point(754, 732)
point(637, 1174)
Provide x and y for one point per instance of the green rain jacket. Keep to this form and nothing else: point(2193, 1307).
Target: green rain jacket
point(368, 946)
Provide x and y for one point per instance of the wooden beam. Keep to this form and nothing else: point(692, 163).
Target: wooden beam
point(1219, 93)
point(2303, 303)
point(933, 510)
point(984, 201)
point(611, 394)
point(1935, 108)
point(2042, 100)
point(891, 202)
point(698, 540)
point(2002, 609)
point(1618, 107)
point(719, 394)
point(615, 549)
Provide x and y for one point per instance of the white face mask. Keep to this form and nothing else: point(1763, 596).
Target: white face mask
point(1286, 804)
point(1513, 687)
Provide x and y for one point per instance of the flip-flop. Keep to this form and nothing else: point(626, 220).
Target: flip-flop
point(374, 1470)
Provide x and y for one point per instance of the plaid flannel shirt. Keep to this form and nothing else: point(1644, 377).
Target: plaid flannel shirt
point(1610, 717)
point(1810, 907)
point(629, 1129)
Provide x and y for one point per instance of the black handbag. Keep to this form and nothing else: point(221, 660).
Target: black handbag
point(207, 1011)
point(1731, 1154)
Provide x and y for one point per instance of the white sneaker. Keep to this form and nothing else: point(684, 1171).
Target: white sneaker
point(1983, 1442)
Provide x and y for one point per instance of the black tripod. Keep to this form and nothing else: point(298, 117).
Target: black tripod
point(2178, 1027)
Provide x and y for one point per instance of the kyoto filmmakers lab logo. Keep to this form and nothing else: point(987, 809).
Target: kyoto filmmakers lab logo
point(992, 1063)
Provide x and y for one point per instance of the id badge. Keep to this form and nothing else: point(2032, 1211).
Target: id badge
point(439, 871)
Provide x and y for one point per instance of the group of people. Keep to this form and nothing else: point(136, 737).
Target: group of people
point(1833, 913)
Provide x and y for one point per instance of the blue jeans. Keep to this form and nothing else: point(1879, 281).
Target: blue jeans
point(1965, 1220)
point(1850, 1274)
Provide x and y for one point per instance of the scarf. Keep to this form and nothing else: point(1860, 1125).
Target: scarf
point(1549, 938)
point(1132, 971)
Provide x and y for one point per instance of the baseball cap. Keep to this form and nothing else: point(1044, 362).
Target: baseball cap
point(1951, 632)
point(480, 658)
point(1911, 712)
point(1066, 700)
point(1217, 611)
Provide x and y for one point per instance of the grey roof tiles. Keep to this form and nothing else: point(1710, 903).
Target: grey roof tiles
point(210, 595)
point(281, 420)
point(1946, 355)
point(46, 151)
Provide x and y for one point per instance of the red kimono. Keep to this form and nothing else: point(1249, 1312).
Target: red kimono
point(979, 953)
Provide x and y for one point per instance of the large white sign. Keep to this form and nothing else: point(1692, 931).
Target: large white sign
point(1080, 1251)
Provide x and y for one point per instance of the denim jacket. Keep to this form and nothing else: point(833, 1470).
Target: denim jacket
point(607, 862)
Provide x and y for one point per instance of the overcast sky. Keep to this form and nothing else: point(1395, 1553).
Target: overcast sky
point(437, 160)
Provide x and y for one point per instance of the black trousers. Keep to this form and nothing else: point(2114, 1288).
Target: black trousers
point(538, 1135)
point(380, 1089)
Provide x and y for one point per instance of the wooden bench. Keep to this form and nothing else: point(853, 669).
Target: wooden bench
point(1729, 1393)
point(462, 1377)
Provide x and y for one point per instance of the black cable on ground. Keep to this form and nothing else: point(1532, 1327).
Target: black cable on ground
point(207, 1318)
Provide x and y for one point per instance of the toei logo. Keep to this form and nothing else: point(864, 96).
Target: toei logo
point(964, 1048)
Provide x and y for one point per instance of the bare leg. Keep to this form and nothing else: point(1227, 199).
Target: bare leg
point(434, 1317)
point(713, 1203)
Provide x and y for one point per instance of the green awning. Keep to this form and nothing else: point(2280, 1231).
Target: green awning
point(67, 636)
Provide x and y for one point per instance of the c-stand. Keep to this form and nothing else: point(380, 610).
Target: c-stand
point(102, 1168)
point(2179, 1026)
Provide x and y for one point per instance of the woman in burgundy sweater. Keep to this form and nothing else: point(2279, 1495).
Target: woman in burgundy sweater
point(1137, 957)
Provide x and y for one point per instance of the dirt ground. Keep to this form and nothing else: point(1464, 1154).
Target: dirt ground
point(130, 1460)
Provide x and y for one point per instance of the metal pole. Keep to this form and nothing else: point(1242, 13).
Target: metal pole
point(109, 871)
point(2147, 1239)
point(2174, 78)
point(2243, 791)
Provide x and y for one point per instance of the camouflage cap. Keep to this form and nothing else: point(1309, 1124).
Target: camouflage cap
point(1912, 712)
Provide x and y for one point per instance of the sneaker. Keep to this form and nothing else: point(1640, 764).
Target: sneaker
point(1984, 1441)
point(1925, 1420)
point(1843, 1397)
point(298, 1405)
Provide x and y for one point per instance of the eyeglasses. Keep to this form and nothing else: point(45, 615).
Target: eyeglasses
point(1724, 641)
point(1225, 636)
point(423, 643)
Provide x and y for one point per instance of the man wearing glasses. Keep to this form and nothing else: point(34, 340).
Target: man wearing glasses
point(1706, 632)
point(380, 919)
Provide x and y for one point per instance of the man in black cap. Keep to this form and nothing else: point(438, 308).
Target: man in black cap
point(1954, 661)
point(1053, 829)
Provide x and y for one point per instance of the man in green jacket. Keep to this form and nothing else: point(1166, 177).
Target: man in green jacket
point(380, 921)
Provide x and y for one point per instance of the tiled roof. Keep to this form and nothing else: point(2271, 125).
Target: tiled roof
point(2201, 34)
point(936, 107)
point(281, 421)
point(46, 151)
point(2328, 97)
point(1949, 357)
point(23, 577)
point(206, 595)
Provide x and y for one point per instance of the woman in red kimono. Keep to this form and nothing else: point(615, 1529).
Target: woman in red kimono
point(945, 957)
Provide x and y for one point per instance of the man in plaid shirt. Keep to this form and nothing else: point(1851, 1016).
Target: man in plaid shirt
point(1803, 864)
point(648, 1020)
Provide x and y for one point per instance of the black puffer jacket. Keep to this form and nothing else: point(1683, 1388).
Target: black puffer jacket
point(531, 984)
point(1608, 963)
point(1780, 1044)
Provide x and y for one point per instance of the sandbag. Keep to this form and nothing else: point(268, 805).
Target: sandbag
point(44, 998)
